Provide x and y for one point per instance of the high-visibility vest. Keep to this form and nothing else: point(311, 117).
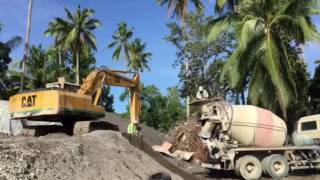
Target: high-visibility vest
point(132, 129)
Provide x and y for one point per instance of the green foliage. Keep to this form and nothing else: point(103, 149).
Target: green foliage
point(139, 59)
point(135, 55)
point(174, 111)
point(120, 41)
point(314, 91)
point(107, 99)
point(38, 67)
point(214, 86)
point(5, 59)
point(5, 50)
point(75, 33)
point(43, 66)
point(222, 4)
point(8, 79)
point(301, 106)
point(9, 84)
point(59, 67)
point(265, 31)
point(158, 111)
point(179, 8)
point(193, 47)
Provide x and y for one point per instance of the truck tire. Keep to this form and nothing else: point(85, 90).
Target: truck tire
point(264, 163)
point(248, 167)
point(276, 166)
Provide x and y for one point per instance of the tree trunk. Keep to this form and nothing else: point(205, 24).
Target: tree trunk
point(26, 46)
point(243, 100)
point(77, 67)
point(188, 97)
point(184, 31)
point(60, 61)
point(237, 98)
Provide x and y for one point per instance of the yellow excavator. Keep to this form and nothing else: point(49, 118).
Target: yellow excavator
point(75, 106)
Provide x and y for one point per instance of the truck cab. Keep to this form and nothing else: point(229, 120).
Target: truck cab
point(307, 131)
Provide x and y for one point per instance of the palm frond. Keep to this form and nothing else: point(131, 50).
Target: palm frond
point(221, 5)
point(269, 90)
point(92, 24)
point(90, 39)
point(69, 15)
point(288, 70)
point(250, 30)
point(72, 37)
point(112, 44)
point(314, 11)
point(272, 64)
point(290, 26)
point(230, 69)
point(14, 42)
point(116, 53)
point(198, 4)
point(256, 86)
point(309, 31)
point(219, 26)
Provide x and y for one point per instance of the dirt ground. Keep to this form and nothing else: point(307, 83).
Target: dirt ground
point(97, 155)
point(154, 137)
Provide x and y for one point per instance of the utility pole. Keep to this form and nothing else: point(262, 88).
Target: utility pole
point(26, 46)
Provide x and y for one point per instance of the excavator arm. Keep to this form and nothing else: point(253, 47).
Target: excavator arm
point(94, 82)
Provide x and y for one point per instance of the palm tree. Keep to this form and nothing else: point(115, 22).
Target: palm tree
point(220, 5)
point(57, 68)
point(264, 29)
point(38, 67)
point(138, 57)
point(179, 8)
point(120, 42)
point(57, 29)
point(75, 32)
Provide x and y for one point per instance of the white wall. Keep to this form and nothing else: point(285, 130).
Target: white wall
point(7, 126)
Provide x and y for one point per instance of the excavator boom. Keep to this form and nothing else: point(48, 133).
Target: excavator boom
point(94, 82)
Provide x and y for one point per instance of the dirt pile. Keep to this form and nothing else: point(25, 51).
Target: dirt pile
point(97, 155)
point(149, 134)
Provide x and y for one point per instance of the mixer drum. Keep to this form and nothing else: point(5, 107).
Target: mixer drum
point(257, 127)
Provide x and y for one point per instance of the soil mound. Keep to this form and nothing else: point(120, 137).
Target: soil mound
point(97, 155)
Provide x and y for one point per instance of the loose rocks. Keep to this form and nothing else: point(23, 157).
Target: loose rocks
point(97, 155)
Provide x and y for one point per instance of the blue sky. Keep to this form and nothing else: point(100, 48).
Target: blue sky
point(147, 19)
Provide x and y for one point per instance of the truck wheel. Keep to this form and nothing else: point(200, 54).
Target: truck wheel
point(276, 166)
point(248, 167)
point(265, 164)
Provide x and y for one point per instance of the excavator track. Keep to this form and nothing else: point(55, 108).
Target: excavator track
point(81, 127)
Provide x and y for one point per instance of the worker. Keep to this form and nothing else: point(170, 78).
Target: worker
point(202, 93)
point(133, 128)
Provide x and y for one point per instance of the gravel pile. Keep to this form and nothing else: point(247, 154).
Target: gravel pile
point(97, 155)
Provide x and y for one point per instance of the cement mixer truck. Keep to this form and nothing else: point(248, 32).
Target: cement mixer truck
point(253, 141)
